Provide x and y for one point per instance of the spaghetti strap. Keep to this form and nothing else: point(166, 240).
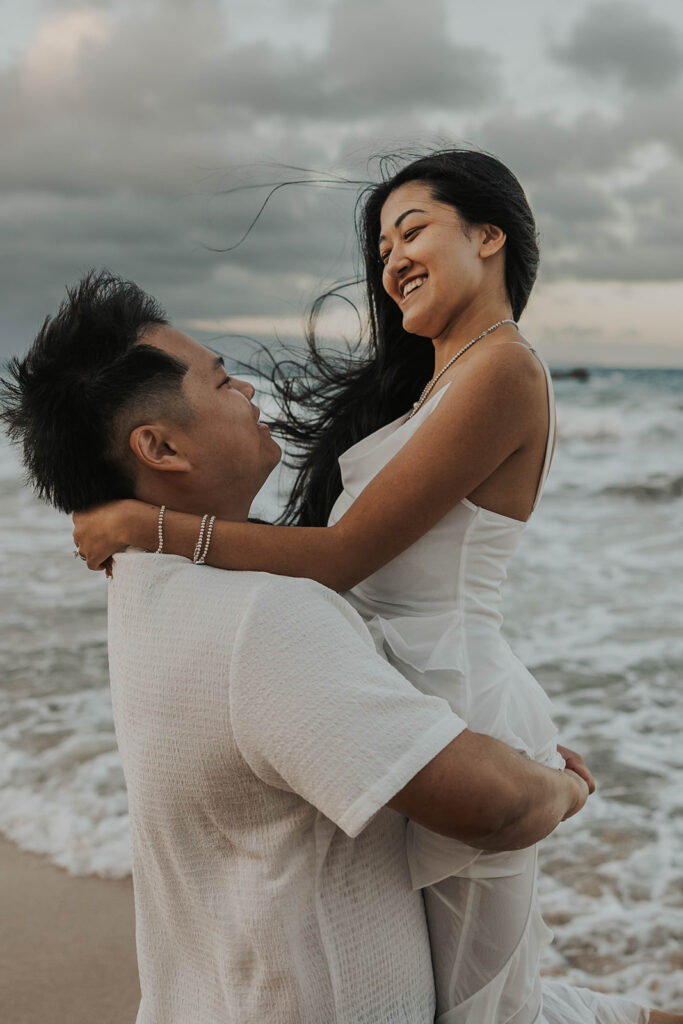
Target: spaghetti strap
point(552, 426)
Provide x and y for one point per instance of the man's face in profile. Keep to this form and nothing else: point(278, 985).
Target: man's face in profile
point(224, 441)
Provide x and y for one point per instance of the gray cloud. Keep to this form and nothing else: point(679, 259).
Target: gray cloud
point(542, 145)
point(380, 59)
point(122, 122)
point(637, 236)
point(591, 226)
point(120, 151)
point(150, 99)
point(624, 41)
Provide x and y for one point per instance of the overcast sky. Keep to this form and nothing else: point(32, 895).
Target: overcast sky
point(125, 125)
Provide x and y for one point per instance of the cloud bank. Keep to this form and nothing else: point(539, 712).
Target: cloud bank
point(125, 127)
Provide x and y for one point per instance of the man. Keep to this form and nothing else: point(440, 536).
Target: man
point(270, 754)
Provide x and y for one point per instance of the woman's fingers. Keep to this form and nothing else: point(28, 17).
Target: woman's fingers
point(95, 535)
point(577, 764)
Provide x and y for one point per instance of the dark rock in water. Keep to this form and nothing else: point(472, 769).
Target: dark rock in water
point(580, 373)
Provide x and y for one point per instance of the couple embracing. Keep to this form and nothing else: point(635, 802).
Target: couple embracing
point(335, 801)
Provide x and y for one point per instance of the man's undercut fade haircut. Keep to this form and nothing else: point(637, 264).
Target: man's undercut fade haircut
point(87, 366)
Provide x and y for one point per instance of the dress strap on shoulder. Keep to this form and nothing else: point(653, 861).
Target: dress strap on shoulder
point(552, 428)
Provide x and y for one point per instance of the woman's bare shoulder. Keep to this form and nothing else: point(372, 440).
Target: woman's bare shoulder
point(506, 369)
point(501, 392)
point(512, 357)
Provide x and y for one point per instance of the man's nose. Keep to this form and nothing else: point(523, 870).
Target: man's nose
point(247, 389)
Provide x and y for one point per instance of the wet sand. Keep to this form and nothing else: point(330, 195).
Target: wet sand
point(67, 945)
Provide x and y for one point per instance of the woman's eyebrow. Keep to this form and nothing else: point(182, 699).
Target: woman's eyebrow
point(402, 217)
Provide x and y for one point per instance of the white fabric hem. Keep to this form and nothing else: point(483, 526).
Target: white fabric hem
point(361, 812)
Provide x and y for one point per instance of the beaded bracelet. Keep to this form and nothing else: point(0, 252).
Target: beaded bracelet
point(160, 530)
point(202, 559)
point(200, 538)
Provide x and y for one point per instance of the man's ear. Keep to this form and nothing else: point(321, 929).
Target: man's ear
point(492, 240)
point(154, 448)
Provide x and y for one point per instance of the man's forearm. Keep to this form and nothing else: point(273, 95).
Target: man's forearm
point(538, 800)
point(486, 794)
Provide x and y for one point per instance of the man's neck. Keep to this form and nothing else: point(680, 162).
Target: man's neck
point(230, 509)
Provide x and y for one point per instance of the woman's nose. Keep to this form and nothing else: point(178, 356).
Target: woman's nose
point(395, 264)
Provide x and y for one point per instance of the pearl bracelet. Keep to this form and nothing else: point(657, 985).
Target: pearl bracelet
point(160, 530)
point(201, 549)
point(202, 558)
point(200, 538)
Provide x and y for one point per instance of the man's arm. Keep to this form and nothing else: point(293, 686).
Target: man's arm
point(489, 796)
point(315, 710)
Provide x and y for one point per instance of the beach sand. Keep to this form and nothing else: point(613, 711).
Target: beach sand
point(67, 945)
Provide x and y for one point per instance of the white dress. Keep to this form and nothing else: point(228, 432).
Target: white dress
point(434, 613)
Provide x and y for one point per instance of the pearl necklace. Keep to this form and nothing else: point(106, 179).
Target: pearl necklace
point(430, 384)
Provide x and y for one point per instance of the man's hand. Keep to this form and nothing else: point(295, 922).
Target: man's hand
point(576, 763)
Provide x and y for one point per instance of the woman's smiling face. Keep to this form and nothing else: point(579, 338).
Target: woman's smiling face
point(432, 259)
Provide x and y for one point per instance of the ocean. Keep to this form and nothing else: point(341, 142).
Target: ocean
point(593, 605)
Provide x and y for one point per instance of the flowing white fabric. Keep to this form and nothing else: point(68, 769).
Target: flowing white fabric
point(434, 614)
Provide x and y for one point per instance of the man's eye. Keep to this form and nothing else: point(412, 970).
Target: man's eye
point(224, 382)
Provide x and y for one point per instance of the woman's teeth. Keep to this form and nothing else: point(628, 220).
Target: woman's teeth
point(412, 285)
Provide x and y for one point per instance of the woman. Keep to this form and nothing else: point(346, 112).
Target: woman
point(426, 459)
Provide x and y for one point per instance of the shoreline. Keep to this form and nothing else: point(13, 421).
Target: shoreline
point(67, 944)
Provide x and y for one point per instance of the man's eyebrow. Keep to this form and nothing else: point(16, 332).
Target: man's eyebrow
point(402, 217)
point(218, 362)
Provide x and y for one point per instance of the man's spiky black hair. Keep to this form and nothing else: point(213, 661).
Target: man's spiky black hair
point(85, 367)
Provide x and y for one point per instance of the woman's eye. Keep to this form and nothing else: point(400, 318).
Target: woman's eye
point(407, 236)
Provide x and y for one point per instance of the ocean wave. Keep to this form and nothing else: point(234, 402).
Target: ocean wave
point(62, 790)
point(585, 424)
point(654, 487)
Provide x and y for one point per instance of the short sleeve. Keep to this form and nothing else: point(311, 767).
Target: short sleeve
point(316, 710)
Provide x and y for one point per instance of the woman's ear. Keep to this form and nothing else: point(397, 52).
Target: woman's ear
point(492, 240)
point(154, 448)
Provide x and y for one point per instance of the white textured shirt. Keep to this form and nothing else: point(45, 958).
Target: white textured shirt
point(261, 736)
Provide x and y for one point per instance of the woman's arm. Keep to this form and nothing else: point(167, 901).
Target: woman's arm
point(479, 423)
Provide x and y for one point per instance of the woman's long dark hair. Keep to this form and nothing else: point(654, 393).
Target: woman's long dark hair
point(331, 401)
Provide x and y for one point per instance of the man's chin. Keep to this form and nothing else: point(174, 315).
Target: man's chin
point(274, 462)
point(277, 458)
